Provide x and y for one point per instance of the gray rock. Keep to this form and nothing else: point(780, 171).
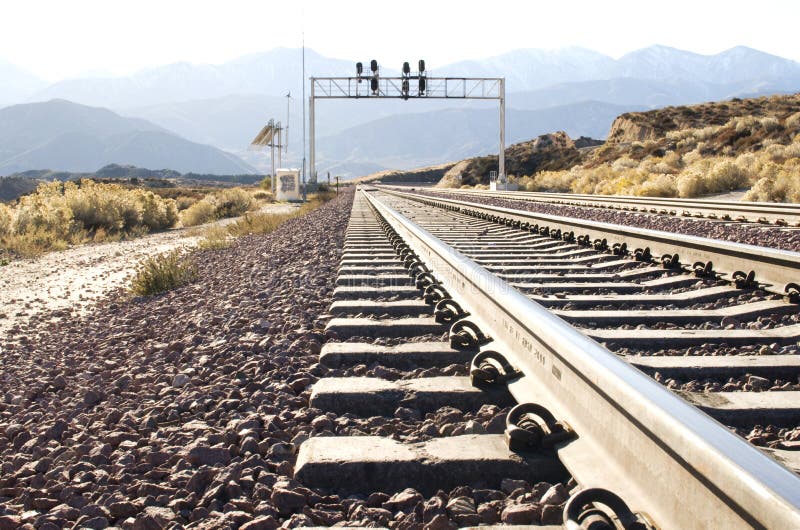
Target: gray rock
point(555, 495)
point(286, 500)
point(202, 455)
point(265, 522)
point(759, 383)
point(522, 514)
point(180, 380)
point(92, 397)
point(403, 501)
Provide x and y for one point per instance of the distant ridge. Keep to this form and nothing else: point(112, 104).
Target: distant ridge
point(65, 136)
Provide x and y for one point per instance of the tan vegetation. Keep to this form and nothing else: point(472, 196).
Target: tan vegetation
point(229, 202)
point(163, 272)
point(746, 151)
point(263, 223)
point(59, 214)
point(686, 151)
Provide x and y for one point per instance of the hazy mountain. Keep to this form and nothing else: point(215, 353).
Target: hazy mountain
point(273, 73)
point(730, 66)
point(419, 139)
point(532, 68)
point(648, 92)
point(225, 105)
point(17, 84)
point(66, 136)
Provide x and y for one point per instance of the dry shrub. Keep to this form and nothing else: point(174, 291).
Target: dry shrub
point(770, 123)
point(726, 176)
point(792, 123)
point(199, 213)
point(6, 218)
point(163, 272)
point(215, 238)
point(658, 186)
point(183, 202)
point(231, 202)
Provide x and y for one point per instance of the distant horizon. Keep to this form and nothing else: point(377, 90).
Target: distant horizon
point(112, 75)
point(56, 40)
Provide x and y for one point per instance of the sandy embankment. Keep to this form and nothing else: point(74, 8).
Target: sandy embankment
point(72, 279)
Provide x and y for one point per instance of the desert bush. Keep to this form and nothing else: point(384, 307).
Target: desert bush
point(163, 272)
point(231, 202)
point(262, 196)
point(157, 213)
point(6, 218)
point(744, 123)
point(266, 183)
point(726, 176)
point(770, 123)
point(792, 122)
point(215, 238)
point(657, 186)
point(183, 202)
point(107, 206)
point(201, 212)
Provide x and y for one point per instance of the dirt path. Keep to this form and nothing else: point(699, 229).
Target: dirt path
point(71, 280)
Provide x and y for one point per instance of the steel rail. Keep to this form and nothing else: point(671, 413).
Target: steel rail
point(789, 212)
point(663, 456)
point(774, 268)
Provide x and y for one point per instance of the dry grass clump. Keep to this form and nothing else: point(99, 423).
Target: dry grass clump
point(229, 202)
point(6, 218)
point(163, 272)
point(201, 212)
point(264, 223)
point(59, 214)
point(758, 151)
point(215, 238)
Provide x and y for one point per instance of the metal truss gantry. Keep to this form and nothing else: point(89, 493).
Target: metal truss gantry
point(408, 87)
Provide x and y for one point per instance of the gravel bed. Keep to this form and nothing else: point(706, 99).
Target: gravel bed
point(186, 409)
point(772, 436)
point(743, 383)
point(708, 349)
point(770, 236)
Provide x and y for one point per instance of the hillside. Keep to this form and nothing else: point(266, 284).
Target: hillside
point(692, 151)
point(425, 139)
point(548, 152)
point(65, 136)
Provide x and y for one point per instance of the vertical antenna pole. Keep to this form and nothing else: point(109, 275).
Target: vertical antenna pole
point(288, 101)
point(272, 158)
point(280, 143)
point(312, 176)
point(304, 115)
point(501, 173)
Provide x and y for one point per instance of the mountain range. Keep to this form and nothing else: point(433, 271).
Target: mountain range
point(71, 137)
point(224, 105)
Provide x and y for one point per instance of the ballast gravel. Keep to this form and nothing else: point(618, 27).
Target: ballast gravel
point(747, 233)
point(185, 410)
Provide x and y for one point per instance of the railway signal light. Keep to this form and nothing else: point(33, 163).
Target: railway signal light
point(359, 69)
point(405, 88)
point(421, 86)
point(421, 66)
point(373, 65)
point(373, 84)
point(406, 69)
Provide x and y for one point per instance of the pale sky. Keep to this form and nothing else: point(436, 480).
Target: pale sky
point(56, 39)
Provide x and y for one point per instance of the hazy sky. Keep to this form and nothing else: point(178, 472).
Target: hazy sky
point(57, 38)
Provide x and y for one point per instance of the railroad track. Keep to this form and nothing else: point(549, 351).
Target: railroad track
point(618, 367)
point(780, 214)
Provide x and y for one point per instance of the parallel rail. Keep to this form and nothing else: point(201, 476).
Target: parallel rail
point(777, 269)
point(778, 213)
point(663, 456)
